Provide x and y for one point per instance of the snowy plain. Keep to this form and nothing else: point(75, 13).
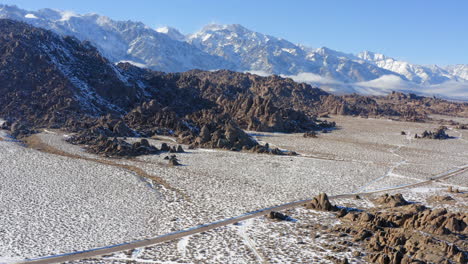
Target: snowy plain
point(52, 204)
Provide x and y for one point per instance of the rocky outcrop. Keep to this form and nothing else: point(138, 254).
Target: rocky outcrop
point(439, 133)
point(441, 198)
point(113, 147)
point(408, 233)
point(218, 132)
point(321, 202)
point(6, 125)
point(88, 95)
point(396, 105)
point(19, 129)
point(391, 200)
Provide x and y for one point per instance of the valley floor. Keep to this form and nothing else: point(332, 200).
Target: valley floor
point(72, 200)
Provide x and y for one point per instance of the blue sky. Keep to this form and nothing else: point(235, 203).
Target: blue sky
point(423, 32)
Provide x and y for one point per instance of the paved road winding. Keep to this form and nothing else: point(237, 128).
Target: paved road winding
point(210, 226)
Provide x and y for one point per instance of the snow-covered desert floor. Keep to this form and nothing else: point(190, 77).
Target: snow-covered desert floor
point(70, 201)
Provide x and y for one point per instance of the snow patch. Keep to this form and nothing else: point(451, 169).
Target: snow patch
point(290, 51)
point(58, 54)
point(7, 260)
point(182, 245)
point(66, 15)
point(140, 65)
point(206, 37)
point(32, 16)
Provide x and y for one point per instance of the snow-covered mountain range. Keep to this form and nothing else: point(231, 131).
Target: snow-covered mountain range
point(237, 48)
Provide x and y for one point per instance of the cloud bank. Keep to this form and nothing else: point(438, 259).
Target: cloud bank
point(385, 85)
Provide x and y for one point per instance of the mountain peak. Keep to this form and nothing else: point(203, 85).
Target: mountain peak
point(324, 51)
point(171, 32)
point(213, 27)
point(371, 56)
point(225, 46)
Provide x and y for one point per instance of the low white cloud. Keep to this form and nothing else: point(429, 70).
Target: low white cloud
point(385, 85)
point(312, 78)
point(453, 89)
point(388, 82)
point(381, 86)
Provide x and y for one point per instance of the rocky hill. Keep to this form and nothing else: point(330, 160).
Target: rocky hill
point(52, 81)
point(45, 77)
point(47, 80)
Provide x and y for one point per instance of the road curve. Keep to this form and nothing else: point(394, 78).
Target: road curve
point(210, 226)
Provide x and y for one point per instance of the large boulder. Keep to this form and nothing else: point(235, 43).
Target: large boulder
point(321, 202)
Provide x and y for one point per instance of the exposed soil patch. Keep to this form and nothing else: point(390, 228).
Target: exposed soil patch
point(35, 142)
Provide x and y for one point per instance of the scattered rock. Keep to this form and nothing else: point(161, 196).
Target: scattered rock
point(173, 161)
point(437, 198)
point(437, 134)
point(310, 134)
point(277, 215)
point(452, 190)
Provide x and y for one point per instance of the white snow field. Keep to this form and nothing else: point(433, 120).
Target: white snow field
point(52, 204)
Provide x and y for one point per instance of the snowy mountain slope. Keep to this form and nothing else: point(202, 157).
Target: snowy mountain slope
point(121, 40)
point(459, 70)
point(237, 48)
point(48, 76)
point(253, 51)
point(343, 67)
point(172, 33)
point(250, 50)
point(415, 73)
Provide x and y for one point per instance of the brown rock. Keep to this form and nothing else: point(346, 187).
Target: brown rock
point(277, 215)
point(321, 202)
point(165, 147)
point(391, 200)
